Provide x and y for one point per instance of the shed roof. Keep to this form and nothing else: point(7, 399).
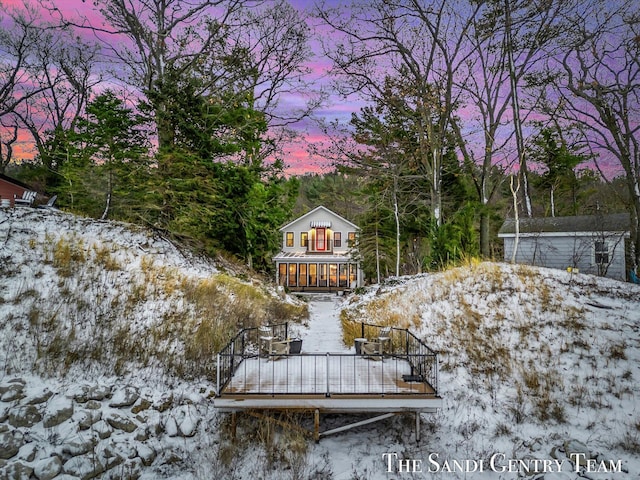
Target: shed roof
point(619, 222)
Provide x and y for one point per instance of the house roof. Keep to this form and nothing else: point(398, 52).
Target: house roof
point(314, 258)
point(323, 214)
point(14, 181)
point(619, 222)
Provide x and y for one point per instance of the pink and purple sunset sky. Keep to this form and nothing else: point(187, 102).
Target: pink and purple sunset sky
point(299, 156)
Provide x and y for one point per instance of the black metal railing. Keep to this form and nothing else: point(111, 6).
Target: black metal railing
point(405, 366)
point(405, 345)
point(246, 344)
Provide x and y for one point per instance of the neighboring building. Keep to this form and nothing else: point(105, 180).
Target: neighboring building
point(10, 187)
point(317, 253)
point(590, 243)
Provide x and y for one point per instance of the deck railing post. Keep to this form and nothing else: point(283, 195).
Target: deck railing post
point(218, 375)
point(362, 330)
point(435, 366)
point(233, 357)
point(406, 349)
point(328, 394)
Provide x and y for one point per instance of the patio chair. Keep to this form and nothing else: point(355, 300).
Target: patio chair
point(265, 335)
point(50, 204)
point(371, 350)
point(278, 350)
point(384, 337)
point(27, 198)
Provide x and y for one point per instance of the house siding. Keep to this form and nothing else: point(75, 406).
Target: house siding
point(324, 266)
point(303, 225)
point(8, 190)
point(576, 251)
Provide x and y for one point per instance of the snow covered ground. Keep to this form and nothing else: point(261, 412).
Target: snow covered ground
point(536, 366)
point(322, 333)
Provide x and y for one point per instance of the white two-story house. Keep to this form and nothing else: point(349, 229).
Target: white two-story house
point(318, 253)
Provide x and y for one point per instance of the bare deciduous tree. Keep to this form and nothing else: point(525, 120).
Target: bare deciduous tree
point(421, 44)
point(598, 89)
point(485, 133)
point(47, 76)
point(250, 47)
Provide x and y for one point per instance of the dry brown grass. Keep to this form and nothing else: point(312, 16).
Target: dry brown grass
point(195, 316)
point(68, 255)
point(104, 256)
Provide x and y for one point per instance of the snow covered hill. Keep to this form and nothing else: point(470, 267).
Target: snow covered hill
point(107, 337)
point(107, 332)
point(535, 364)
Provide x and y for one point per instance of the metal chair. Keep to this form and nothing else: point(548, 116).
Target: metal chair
point(278, 349)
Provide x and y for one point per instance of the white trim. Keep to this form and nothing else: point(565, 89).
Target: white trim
point(610, 250)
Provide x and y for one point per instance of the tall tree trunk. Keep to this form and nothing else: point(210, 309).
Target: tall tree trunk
point(396, 215)
point(516, 215)
point(109, 193)
point(517, 123)
point(484, 233)
point(377, 255)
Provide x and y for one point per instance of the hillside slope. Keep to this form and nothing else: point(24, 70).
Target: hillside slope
point(534, 363)
point(107, 340)
point(107, 333)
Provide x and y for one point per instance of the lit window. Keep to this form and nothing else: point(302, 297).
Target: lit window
point(337, 239)
point(351, 239)
point(304, 239)
point(289, 241)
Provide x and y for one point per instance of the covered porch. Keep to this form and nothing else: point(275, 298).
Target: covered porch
point(304, 272)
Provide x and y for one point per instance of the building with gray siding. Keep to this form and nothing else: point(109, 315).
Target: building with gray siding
point(592, 244)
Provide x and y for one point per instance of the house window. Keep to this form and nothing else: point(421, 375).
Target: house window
point(351, 239)
point(282, 274)
point(322, 277)
point(343, 268)
point(337, 239)
point(302, 275)
point(293, 277)
point(313, 275)
point(333, 274)
point(353, 275)
point(289, 241)
point(304, 239)
point(601, 252)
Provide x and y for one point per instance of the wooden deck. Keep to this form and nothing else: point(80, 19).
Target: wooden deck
point(403, 380)
point(329, 382)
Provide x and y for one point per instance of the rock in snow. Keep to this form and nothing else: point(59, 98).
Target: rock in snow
point(59, 410)
point(10, 443)
point(47, 468)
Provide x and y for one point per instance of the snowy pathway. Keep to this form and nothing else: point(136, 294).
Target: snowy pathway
point(324, 332)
